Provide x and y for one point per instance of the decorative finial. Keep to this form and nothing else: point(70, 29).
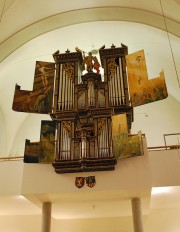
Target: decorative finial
point(55, 53)
point(113, 46)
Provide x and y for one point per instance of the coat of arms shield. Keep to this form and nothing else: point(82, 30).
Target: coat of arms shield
point(90, 181)
point(79, 182)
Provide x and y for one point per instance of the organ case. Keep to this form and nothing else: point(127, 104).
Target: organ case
point(84, 104)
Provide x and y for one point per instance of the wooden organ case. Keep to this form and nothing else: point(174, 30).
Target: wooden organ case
point(83, 108)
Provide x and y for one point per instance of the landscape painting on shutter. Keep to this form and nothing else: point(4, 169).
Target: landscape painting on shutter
point(142, 90)
point(124, 145)
point(39, 100)
point(43, 151)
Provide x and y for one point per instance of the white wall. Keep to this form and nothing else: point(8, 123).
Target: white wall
point(11, 177)
point(165, 167)
point(2, 135)
point(156, 119)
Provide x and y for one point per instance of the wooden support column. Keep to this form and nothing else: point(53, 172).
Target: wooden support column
point(137, 215)
point(46, 217)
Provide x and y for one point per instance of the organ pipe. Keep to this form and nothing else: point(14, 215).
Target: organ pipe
point(103, 141)
point(116, 86)
point(121, 80)
point(64, 144)
point(66, 91)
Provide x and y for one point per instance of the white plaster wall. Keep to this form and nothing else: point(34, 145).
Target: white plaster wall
point(156, 119)
point(32, 223)
point(11, 177)
point(2, 135)
point(165, 167)
point(166, 220)
point(20, 223)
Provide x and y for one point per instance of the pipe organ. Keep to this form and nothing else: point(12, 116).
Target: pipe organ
point(83, 107)
point(87, 131)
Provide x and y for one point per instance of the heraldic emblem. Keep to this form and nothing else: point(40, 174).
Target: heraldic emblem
point(90, 181)
point(79, 182)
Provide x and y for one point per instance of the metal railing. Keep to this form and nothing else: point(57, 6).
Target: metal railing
point(167, 147)
point(164, 147)
point(11, 158)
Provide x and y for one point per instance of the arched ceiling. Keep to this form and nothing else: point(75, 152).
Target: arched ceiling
point(21, 21)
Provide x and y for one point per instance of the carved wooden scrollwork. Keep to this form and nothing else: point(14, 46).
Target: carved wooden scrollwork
point(111, 67)
point(101, 124)
point(69, 70)
point(67, 126)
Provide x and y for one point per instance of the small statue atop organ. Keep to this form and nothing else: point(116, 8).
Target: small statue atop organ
point(91, 116)
point(91, 63)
